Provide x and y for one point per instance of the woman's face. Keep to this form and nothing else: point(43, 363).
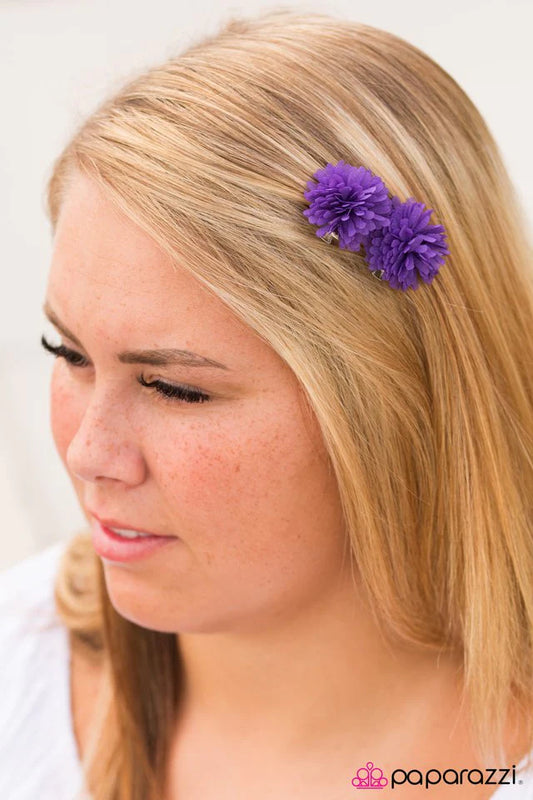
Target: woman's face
point(242, 479)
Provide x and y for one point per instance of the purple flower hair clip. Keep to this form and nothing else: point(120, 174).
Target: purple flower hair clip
point(351, 204)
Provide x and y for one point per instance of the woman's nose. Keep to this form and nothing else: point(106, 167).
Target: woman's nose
point(104, 445)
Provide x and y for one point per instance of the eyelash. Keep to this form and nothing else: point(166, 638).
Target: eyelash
point(166, 390)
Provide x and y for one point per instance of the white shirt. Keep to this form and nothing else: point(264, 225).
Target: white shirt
point(38, 751)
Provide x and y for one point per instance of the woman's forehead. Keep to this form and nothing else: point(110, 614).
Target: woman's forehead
point(108, 274)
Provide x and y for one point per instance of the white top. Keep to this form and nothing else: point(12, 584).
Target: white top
point(38, 752)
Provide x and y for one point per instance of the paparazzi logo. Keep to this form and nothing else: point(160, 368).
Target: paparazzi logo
point(369, 777)
point(372, 777)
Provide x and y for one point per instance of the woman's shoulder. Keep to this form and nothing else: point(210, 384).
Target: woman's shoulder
point(38, 756)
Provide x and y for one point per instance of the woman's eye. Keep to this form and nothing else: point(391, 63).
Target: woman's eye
point(166, 391)
point(170, 392)
point(60, 351)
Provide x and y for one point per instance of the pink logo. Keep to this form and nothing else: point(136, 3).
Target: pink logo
point(369, 777)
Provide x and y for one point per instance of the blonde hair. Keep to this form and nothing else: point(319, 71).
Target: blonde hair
point(424, 397)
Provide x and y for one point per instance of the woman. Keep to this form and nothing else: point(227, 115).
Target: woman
point(336, 471)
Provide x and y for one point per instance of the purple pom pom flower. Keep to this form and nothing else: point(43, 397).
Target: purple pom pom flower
point(349, 201)
point(408, 247)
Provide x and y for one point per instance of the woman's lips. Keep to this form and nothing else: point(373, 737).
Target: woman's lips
point(113, 547)
point(115, 523)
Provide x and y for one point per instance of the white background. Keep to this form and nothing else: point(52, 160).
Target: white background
point(57, 60)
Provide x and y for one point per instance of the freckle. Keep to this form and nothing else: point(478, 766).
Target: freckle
point(237, 467)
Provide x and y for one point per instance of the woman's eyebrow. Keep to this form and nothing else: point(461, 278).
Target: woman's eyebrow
point(163, 357)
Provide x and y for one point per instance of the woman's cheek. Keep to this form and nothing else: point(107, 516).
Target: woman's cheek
point(65, 411)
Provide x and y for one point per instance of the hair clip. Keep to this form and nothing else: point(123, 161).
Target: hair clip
point(352, 206)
